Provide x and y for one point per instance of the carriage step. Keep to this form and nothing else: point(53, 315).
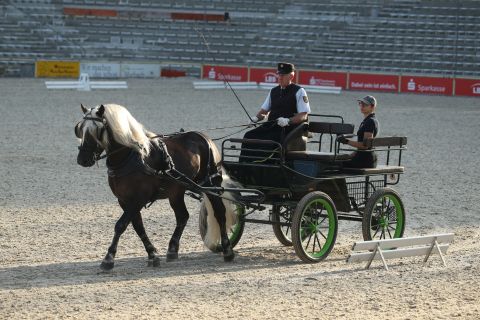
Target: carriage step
point(251, 198)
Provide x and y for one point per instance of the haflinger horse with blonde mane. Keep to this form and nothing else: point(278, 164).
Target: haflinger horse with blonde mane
point(140, 165)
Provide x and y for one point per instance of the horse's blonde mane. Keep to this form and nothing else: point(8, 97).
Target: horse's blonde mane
point(126, 130)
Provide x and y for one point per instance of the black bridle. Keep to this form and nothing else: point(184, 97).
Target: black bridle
point(100, 132)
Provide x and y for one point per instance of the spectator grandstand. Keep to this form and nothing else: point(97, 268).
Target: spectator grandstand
point(437, 37)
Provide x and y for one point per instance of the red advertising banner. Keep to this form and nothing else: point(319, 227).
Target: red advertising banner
point(268, 75)
point(467, 87)
point(375, 82)
point(221, 73)
point(89, 12)
point(172, 73)
point(429, 85)
point(197, 16)
point(321, 78)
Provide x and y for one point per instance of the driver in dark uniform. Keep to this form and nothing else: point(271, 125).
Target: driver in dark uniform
point(285, 107)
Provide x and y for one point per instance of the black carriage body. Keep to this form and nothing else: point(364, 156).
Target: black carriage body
point(290, 171)
point(309, 190)
point(282, 185)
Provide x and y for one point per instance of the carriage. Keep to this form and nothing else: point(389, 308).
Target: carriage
point(301, 181)
point(306, 190)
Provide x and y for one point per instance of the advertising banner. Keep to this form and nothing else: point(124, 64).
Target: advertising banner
point(268, 75)
point(321, 78)
point(428, 85)
point(197, 16)
point(374, 82)
point(172, 73)
point(89, 12)
point(467, 87)
point(139, 70)
point(221, 73)
point(101, 70)
point(57, 69)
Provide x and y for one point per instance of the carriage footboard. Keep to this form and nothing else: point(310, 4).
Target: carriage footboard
point(242, 195)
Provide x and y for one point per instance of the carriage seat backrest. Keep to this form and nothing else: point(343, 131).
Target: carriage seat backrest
point(383, 144)
point(296, 140)
point(371, 143)
point(323, 128)
point(330, 128)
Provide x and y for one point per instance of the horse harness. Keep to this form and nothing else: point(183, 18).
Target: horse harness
point(102, 129)
point(134, 162)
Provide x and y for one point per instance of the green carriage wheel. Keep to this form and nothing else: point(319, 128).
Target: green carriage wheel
point(235, 232)
point(314, 227)
point(384, 216)
point(282, 233)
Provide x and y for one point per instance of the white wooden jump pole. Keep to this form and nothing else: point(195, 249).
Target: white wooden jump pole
point(84, 84)
point(400, 247)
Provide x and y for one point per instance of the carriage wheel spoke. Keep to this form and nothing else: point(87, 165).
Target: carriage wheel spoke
point(389, 234)
point(314, 240)
point(323, 220)
point(318, 241)
point(390, 213)
point(376, 231)
point(382, 208)
point(308, 242)
point(321, 233)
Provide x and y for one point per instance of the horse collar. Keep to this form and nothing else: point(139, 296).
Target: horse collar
point(132, 163)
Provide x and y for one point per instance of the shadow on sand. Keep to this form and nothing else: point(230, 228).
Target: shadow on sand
point(133, 268)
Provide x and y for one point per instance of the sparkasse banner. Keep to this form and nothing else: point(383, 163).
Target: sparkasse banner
point(467, 87)
point(322, 78)
point(222, 73)
point(427, 85)
point(374, 82)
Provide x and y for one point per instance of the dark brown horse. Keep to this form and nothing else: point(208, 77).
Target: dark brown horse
point(140, 171)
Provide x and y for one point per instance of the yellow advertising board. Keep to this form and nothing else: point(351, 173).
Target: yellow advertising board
point(57, 69)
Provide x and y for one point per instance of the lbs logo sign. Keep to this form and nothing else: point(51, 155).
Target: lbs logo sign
point(476, 88)
point(467, 87)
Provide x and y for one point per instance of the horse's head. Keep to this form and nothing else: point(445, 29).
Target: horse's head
point(91, 131)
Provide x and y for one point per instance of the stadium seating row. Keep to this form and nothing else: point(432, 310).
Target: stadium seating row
point(423, 36)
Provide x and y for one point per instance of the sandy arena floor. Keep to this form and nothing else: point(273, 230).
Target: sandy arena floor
point(58, 218)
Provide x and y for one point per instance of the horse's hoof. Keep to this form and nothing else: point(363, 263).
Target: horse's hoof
point(106, 266)
point(154, 262)
point(172, 256)
point(228, 256)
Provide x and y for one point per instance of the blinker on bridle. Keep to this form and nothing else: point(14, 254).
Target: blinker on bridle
point(82, 146)
point(97, 156)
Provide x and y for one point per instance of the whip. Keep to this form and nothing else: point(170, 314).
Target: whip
point(224, 78)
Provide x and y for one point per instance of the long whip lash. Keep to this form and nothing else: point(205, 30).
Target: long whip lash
point(200, 33)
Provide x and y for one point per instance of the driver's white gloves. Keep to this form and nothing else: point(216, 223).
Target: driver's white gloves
point(283, 122)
